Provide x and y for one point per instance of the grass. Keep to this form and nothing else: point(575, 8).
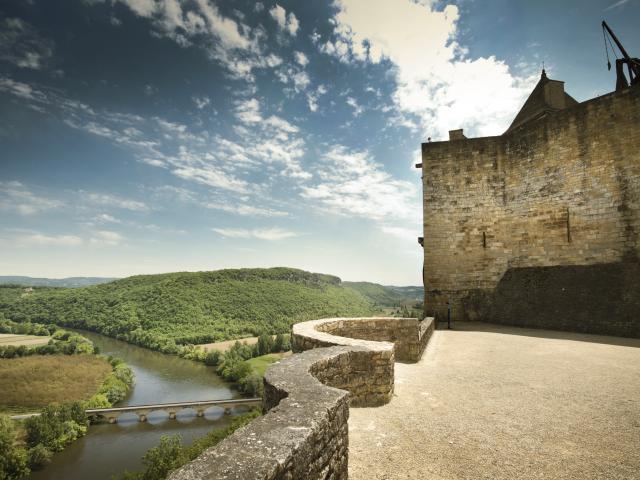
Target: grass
point(29, 383)
point(7, 339)
point(261, 363)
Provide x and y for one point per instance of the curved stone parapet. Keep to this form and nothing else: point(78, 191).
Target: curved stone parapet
point(304, 432)
point(409, 335)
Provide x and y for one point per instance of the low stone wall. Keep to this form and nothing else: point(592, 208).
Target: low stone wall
point(304, 432)
point(409, 335)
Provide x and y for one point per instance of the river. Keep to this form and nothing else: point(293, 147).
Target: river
point(107, 449)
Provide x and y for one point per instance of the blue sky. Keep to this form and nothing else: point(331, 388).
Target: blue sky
point(147, 136)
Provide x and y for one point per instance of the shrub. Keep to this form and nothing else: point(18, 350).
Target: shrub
point(39, 456)
point(213, 358)
point(99, 400)
point(252, 385)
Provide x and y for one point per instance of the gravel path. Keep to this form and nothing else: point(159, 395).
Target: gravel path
point(506, 403)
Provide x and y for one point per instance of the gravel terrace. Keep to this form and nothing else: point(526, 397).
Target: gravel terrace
point(493, 402)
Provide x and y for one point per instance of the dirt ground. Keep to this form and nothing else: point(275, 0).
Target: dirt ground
point(490, 402)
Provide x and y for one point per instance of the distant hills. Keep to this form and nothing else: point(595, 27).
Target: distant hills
point(70, 282)
point(160, 311)
point(386, 296)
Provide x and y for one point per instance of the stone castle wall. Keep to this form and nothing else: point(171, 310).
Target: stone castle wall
point(304, 432)
point(562, 191)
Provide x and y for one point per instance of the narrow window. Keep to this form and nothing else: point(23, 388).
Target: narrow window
point(484, 240)
point(568, 227)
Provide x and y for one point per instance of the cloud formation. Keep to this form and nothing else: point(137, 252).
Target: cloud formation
point(437, 83)
point(21, 45)
point(287, 23)
point(352, 184)
point(269, 234)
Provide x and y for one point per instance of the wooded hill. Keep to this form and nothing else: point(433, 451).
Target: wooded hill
point(160, 311)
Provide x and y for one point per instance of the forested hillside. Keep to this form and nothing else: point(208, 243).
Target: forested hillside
point(160, 311)
point(376, 293)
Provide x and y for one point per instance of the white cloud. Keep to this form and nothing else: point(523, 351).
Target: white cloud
point(211, 176)
point(21, 45)
point(274, 140)
point(38, 239)
point(106, 238)
point(16, 198)
point(271, 234)
point(106, 218)
point(246, 210)
point(201, 102)
point(301, 58)
point(353, 185)
point(436, 82)
point(312, 97)
point(20, 89)
point(357, 109)
point(279, 14)
point(248, 111)
point(114, 201)
point(292, 24)
point(288, 23)
point(232, 43)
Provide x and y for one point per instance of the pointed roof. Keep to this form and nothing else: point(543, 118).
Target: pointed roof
point(547, 96)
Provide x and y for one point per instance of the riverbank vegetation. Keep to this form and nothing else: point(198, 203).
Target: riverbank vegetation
point(31, 446)
point(170, 454)
point(242, 363)
point(164, 312)
point(114, 387)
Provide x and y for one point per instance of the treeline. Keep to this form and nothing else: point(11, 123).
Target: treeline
point(165, 312)
point(55, 428)
point(26, 328)
point(62, 342)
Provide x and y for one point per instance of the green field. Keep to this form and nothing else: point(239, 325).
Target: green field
point(29, 383)
point(261, 363)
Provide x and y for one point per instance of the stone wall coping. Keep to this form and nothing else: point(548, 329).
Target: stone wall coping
point(310, 330)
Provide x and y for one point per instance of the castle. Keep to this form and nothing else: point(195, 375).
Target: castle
point(539, 226)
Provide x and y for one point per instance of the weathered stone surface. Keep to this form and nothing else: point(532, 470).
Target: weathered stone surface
point(561, 191)
point(304, 432)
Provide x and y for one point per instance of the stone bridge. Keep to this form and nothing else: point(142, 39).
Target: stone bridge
point(112, 414)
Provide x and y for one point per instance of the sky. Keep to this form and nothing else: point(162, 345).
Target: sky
point(149, 136)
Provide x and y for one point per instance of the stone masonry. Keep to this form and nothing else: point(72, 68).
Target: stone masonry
point(304, 432)
point(539, 226)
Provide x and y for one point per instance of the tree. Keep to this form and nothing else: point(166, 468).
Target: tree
point(160, 460)
point(265, 344)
